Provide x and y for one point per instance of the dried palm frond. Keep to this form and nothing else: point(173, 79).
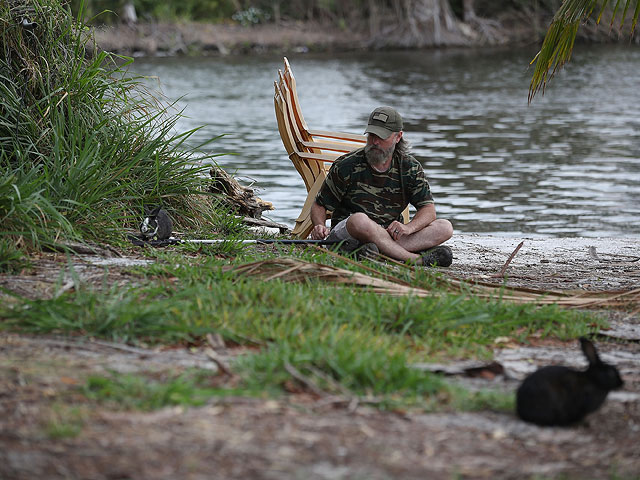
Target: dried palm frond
point(295, 270)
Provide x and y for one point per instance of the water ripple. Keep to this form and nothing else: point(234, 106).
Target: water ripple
point(566, 165)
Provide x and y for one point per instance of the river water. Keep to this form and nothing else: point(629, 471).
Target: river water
point(566, 165)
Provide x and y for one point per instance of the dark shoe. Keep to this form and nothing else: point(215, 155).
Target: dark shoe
point(368, 250)
point(440, 256)
point(344, 247)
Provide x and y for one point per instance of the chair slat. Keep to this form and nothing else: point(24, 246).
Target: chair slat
point(291, 81)
point(332, 146)
point(340, 135)
point(320, 157)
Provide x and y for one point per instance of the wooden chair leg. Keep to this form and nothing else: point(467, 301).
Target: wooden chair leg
point(303, 222)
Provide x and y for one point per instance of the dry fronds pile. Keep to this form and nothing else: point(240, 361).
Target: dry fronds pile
point(295, 270)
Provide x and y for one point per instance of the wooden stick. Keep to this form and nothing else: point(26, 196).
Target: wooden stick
point(500, 274)
point(307, 382)
point(221, 364)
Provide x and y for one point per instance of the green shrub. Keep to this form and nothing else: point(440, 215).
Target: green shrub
point(83, 147)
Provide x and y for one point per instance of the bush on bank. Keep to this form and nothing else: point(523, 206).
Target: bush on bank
point(82, 147)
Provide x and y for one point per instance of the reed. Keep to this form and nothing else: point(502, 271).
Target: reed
point(83, 146)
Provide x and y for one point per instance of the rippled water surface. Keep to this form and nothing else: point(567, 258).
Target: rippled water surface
point(566, 165)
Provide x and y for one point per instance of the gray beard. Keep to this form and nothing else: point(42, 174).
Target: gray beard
point(376, 156)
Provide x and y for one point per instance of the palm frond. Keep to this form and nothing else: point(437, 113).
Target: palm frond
point(558, 43)
point(295, 270)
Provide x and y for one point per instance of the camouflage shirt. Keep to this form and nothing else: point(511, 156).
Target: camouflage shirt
point(353, 186)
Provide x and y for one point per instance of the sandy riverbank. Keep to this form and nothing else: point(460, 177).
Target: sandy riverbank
point(593, 264)
point(549, 264)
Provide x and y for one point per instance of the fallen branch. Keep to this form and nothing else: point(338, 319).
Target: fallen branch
point(307, 382)
point(500, 274)
point(294, 270)
point(221, 364)
point(240, 199)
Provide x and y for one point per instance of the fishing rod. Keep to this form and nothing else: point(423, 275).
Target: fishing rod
point(138, 241)
point(157, 226)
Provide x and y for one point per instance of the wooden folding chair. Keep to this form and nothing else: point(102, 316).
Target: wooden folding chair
point(315, 139)
point(310, 165)
point(310, 151)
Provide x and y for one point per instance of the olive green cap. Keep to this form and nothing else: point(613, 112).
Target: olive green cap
point(384, 121)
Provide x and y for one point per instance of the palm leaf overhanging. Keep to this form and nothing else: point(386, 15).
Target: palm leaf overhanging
point(558, 42)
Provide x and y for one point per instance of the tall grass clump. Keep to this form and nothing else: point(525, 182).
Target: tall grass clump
point(82, 146)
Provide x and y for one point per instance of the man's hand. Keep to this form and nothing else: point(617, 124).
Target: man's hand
point(396, 230)
point(318, 218)
point(319, 232)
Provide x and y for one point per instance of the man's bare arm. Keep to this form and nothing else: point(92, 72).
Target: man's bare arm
point(319, 219)
point(423, 217)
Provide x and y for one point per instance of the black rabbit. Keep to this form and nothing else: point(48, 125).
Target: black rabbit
point(557, 395)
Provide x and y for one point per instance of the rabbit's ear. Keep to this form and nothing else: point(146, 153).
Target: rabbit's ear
point(589, 351)
point(155, 211)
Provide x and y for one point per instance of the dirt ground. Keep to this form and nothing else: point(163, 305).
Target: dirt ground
point(310, 437)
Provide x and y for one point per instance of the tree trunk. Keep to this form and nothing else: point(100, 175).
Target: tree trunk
point(129, 13)
point(374, 18)
point(487, 30)
point(468, 12)
point(420, 23)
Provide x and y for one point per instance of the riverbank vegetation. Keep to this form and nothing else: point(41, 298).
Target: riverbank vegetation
point(84, 149)
point(299, 337)
point(390, 23)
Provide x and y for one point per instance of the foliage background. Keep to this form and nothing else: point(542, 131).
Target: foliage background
point(340, 12)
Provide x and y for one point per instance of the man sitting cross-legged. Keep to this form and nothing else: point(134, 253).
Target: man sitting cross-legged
point(367, 190)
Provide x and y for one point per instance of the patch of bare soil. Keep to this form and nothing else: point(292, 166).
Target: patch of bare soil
point(317, 437)
point(300, 436)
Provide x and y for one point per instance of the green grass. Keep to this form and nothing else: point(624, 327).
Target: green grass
point(12, 259)
point(143, 392)
point(184, 299)
point(83, 147)
point(65, 421)
point(486, 399)
point(340, 339)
